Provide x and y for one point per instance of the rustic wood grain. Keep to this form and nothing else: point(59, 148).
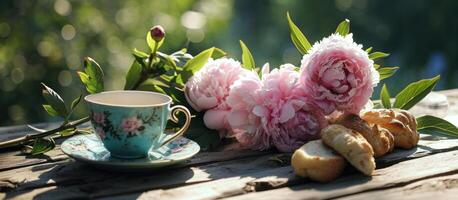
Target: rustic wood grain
point(200, 159)
point(78, 177)
point(276, 178)
point(444, 187)
point(395, 175)
point(74, 178)
point(220, 188)
point(16, 159)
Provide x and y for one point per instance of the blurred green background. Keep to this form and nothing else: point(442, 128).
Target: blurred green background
point(45, 41)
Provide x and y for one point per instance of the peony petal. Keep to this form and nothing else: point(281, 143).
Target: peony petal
point(188, 99)
point(287, 112)
point(260, 111)
point(216, 119)
point(237, 119)
point(207, 102)
point(265, 69)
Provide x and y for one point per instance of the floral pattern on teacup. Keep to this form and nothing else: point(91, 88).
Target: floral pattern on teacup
point(103, 125)
point(132, 125)
point(99, 118)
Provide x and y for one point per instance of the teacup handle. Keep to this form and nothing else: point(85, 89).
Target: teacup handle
point(174, 111)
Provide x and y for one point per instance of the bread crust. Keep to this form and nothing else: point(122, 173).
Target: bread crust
point(351, 145)
point(316, 161)
point(379, 138)
point(400, 123)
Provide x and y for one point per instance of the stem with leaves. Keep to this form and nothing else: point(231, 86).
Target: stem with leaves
point(30, 137)
point(55, 106)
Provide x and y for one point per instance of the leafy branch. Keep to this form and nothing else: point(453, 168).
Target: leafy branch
point(167, 73)
point(55, 106)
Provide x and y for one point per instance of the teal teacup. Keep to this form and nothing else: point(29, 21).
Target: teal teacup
point(131, 123)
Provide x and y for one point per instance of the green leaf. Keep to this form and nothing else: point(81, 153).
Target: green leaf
point(218, 53)
point(343, 28)
point(83, 77)
point(298, 38)
point(376, 66)
point(151, 42)
point(93, 70)
point(54, 100)
point(247, 58)
point(67, 132)
point(139, 53)
point(385, 97)
point(92, 77)
point(83, 131)
point(42, 145)
point(50, 110)
point(377, 55)
point(181, 57)
point(414, 93)
point(75, 102)
point(387, 72)
point(176, 94)
point(169, 65)
point(368, 50)
point(140, 56)
point(153, 81)
point(195, 64)
point(133, 75)
point(432, 125)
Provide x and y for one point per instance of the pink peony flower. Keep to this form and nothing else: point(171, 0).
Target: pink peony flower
point(304, 126)
point(269, 112)
point(100, 132)
point(209, 88)
point(98, 117)
point(338, 74)
point(243, 123)
point(131, 125)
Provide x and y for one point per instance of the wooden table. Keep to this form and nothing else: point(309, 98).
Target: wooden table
point(429, 171)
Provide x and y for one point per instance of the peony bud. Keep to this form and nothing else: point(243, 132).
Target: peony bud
point(157, 33)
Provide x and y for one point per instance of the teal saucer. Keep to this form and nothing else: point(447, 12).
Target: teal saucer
point(89, 149)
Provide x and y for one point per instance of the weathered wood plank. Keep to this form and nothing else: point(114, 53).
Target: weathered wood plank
point(200, 159)
point(64, 173)
point(398, 174)
point(16, 159)
point(276, 178)
point(73, 178)
point(220, 188)
point(444, 187)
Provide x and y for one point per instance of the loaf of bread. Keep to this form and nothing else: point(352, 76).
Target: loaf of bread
point(380, 139)
point(400, 123)
point(351, 145)
point(317, 162)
